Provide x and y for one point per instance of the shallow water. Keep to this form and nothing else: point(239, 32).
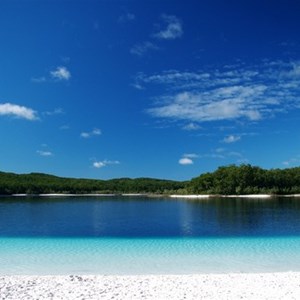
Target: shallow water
point(148, 236)
point(47, 256)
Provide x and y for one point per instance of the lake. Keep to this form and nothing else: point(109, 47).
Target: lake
point(141, 235)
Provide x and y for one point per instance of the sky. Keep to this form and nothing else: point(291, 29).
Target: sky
point(163, 89)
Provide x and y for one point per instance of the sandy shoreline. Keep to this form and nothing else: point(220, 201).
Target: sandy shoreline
point(210, 286)
point(203, 196)
point(225, 196)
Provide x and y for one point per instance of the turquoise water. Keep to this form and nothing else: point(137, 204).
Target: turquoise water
point(112, 256)
point(115, 235)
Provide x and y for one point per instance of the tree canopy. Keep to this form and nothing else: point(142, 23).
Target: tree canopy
point(37, 183)
point(226, 180)
point(247, 179)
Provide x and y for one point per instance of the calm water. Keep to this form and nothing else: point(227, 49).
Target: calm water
point(87, 235)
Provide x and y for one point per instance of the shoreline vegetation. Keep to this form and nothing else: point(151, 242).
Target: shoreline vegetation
point(228, 181)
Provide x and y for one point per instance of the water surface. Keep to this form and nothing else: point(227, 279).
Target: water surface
point(84, 235)
point(148, 217)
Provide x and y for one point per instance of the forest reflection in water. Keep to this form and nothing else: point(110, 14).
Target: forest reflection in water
point(246, 217)
point(131, 217)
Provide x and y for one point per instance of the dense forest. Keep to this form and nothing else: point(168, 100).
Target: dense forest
point(232, 179)
point(246, 179)
point(37, 183)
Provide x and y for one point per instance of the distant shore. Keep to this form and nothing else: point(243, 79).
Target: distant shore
point(202, 286)
point(225, 196)
point(261, 196)
point(231, 179)
point(196, 196)
point(62, 195)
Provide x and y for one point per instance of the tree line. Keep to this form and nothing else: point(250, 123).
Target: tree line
point(38, 183)
point(226, 180)
point(247, 179)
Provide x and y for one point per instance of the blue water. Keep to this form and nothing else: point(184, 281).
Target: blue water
point(148, 236)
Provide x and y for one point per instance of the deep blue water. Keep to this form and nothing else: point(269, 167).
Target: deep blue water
point(88, 235)
point(148, 217)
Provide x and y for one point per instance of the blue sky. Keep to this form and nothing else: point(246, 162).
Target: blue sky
point(165, 89)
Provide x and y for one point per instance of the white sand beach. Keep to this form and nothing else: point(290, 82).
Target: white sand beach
point(248, 196)
point(190, 196)
point(221, 286)
point(222, 196)
point(63, 195)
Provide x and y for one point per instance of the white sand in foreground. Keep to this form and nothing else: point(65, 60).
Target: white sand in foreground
point(221, 286)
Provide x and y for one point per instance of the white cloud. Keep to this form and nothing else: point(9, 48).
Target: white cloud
point(292, 71)
point(143, 48)
point(89, 134)
point(57, 111)
point(98, 164)
point(96, 131)
point(64, 127)
point(224, 154)
point(85, 134)
point(61, 73)
point(236, 92)
point(190, 155)
point(187, 158)
point(191, 126)
point(44, 153)
point(101, 164)
point(173, 29)
point(22, 112)
point(137, 86)
point(185, 161)
point(231, 139)
point(292, 161)
point(173, 77)
point(201, 108)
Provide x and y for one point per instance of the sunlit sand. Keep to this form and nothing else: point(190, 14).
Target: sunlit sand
point(219, 286)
